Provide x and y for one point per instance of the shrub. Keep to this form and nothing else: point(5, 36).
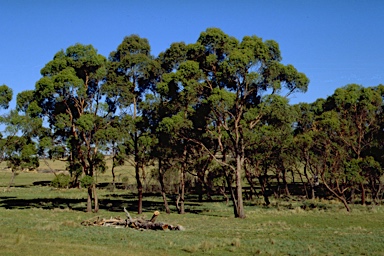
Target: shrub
point(125, 180)
point(61, 181)
point(86, 181)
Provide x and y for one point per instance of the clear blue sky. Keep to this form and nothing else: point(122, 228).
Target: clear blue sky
point(334, 43)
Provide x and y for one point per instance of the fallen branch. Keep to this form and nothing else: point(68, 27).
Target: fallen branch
point(136, 223)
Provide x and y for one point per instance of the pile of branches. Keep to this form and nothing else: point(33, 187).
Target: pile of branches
point(136, 223)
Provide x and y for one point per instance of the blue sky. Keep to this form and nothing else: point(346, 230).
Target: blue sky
point(334, 43)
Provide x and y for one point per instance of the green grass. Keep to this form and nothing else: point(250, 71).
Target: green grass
point(39, 220)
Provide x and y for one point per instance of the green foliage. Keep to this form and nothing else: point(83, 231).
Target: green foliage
point(75, 169)
point(86, 181)
point(61, 181)
point(6, 95)
point(23, 100)
point(85, 122)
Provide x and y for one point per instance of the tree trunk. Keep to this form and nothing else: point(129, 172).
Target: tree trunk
point(239, 189)
point(199, 189)
point(89, 200)
point(95, 198)
point(139, 190)
point(285, 183)
point(263, 179)
point(362, 193)
point(181, 197)
point(12, 179)
point(200, 183)
point(163, 194)
point(230, 189)
point(113, 177)
point(182, 193)
point(248, 176)
point(340, 197)
point(137, 176)
point(303, 183)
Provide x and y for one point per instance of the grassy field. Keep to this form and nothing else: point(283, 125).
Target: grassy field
point(39, 220)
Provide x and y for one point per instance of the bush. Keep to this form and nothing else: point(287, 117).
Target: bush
point(61, 181)
point(125, 180)
point(86, 181)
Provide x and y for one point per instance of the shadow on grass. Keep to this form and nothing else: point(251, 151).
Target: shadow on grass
point(43, 203)
point(114, 204)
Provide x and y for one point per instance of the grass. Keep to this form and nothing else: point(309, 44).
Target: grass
point(38, 220)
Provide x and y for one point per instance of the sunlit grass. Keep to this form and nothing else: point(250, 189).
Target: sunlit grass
point(40, 220)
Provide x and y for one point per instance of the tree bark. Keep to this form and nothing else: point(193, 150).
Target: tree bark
point(181, 197)
point(139, 191)
point(113, 174)
point(285, 183)
point(340, 197)
point(249, 178)
point(137, 176)
point(230, 189)
point(136, 223)
point(89, 200)
point(362, 193)
point(162, 187)
point(12, 179)
point(182, 193)
point(239, 189)
point(95, 198)
point(263, 180)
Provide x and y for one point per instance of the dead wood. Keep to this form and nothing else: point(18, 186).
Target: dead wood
point(136, 223)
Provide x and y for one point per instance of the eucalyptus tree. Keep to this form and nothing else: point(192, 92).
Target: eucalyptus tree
point(321, 151)
point(131, 76)
point(19, 150)
point(229, 79)
point(335, 138)
point(179, 94)
point(303, 141)
point(238, 74)
point(269, 145)
point(374, 164)
point(160, 150)
point(17, 145)
point(358, 110)
point(69, 99)
point(171, 116)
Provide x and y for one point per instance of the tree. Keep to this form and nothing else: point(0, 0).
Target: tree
point(131, 74)
point(69, 99)
point(357, 109)
point(336, 139)
point(304, 133)
point(16, 143)
point(269, 145)
point(229, 78)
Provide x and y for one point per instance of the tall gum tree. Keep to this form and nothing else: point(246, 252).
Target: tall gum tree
point(234, 76)
point(131, 75)
point(68, 98)
point(17, 146)
point(179, 92)
point(305, 130)
point(269, 145)
point(336, 141)
point(358, 110)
